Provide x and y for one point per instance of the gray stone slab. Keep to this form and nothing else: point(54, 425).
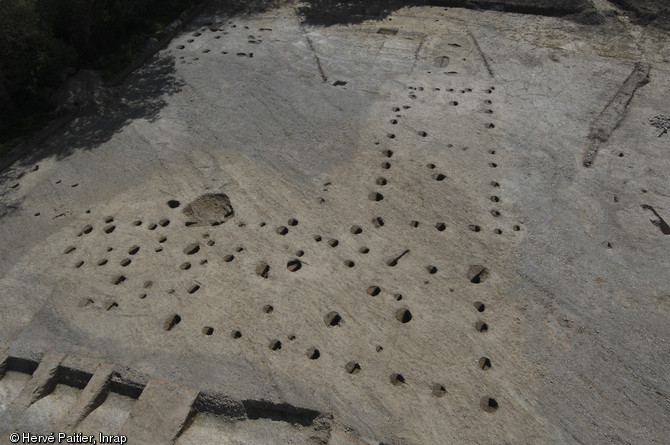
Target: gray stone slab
point(159, 414)
point(4, 358)
point(91, 397)
point(44, 380)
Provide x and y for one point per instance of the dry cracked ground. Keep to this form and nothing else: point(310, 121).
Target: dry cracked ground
point(434, 225)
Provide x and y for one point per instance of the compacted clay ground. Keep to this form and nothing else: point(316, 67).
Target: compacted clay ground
point(422, 225)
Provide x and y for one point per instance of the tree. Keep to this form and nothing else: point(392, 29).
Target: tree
point(29, 57)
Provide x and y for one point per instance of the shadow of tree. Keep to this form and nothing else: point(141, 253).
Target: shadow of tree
point(141, 96)
point(106, 111)
point(109, 110)
point(248, 7)
point(328, 12)
point(648, 12)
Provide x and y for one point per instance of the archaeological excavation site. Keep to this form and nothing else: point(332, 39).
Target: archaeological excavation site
point(321, 222)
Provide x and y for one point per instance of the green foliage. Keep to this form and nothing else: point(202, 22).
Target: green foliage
point(40, 38)
point(30, 56)
point(29, 51)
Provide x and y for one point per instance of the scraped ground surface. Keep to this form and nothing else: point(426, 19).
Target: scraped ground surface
point(386, 223)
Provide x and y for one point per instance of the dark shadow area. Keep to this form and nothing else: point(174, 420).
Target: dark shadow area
point(648, 12)
point(23, 365)
point(101, 112)
point(280, 412)
point(126, 387)
point(142, 95)
point(75, 378)
point(44, 43)
point(220, 405)
point(334, 12)
point(247, 7)
point(327, 12)
point(10, 208)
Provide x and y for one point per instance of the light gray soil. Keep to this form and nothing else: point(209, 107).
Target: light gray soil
point(370, 232)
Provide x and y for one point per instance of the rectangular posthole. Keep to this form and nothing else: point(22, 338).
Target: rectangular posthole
point(388, 31)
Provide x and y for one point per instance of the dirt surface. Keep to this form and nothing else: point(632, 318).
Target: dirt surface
point(373, 231)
